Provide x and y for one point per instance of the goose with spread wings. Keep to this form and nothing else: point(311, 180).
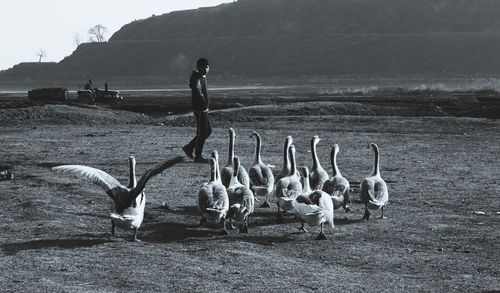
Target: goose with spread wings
point(129, 201)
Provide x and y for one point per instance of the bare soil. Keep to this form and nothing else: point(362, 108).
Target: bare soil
point(441, 232)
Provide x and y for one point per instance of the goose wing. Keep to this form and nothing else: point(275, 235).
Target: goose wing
point(153, 172)
point(289, 187)
point(380, 196)
point(96, 176)
point(226, 174)
point(318, 178)
point(261, 176)
point(312, 214)
point(213, 197)
point(374, 192)
point(336, 186)
point(243, 176)
point(325, 202)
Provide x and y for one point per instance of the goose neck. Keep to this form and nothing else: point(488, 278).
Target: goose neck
point(333, 158)
point(236, 171)
point(293, 166)
point(230, 155)
point(314, 154)
point(132, 180)
point(375, 170)
point(307, 186)
point(286, 159)
point(258, 146)
point(213, 172)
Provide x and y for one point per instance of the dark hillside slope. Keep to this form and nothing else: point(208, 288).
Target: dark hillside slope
point(299, 17)
point(297, 38)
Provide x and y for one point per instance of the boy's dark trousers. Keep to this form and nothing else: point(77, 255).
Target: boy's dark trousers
point(203, 131)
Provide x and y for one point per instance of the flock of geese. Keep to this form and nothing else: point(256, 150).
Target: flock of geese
point(230, 194)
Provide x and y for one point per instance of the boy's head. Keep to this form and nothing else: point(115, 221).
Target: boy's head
point(202, 66)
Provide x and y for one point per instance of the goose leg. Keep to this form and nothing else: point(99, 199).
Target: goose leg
point(265, 204)
point(303, 228)
point(135, 235)
point(231, 226)
point(244, 229)
point(224, 229)
point(279, 218)
point(321, 235)
point(367, 214)
point(382, 216)
point(203, 221)
point(112, 228)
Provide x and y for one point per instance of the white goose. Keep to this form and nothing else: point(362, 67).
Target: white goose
point(241, 199)
point(227, 171)
point(313, 207)
point(213, 201)
point(337, 186)
point(261, 176)
point(373, 190)
point(318, 175)
point(288, 188)
point(316, 211)
point(130, 201)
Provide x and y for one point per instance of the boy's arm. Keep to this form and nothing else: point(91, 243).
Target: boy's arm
point(200, 92)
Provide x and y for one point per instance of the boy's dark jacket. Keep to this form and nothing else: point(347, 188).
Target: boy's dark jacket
point(198, 85)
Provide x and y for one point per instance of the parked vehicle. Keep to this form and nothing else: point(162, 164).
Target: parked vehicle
point(48, 94)
point(98, 96)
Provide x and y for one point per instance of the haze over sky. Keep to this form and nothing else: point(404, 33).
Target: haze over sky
point(28, 26)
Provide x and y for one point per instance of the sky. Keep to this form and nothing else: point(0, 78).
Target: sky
point(29, 26)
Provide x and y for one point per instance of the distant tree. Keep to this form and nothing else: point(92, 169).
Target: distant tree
point(77, 39)
point(97, 33)
point(41, 54)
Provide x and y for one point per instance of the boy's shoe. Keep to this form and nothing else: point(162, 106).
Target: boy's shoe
point(200, 159)
point(188, 152)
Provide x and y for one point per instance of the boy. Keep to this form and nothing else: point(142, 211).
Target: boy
point(200, 104)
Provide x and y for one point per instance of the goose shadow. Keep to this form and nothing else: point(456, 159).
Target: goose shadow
point(254, 239)
point(165, 232)
point(269, 220)
point(13, 248)
point(182, 210)
point(346, 221)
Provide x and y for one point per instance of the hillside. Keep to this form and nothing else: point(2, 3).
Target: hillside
point(316, 17)
point(253, 39)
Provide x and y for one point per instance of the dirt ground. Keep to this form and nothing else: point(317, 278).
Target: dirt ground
point(440, 235)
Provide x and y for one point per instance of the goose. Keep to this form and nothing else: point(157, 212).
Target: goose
point(129, 201)
point(312, 201)
point(317, 175)
point(288, 188)
point(337, 186)
point(373, 190)
point(241, 199)
point(261, 176)
point(316, 209)
point(227, 171)
point(213, 202)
